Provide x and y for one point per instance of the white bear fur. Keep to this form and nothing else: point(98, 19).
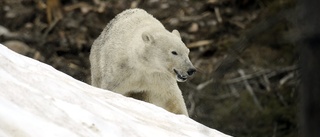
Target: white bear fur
point(133, 56)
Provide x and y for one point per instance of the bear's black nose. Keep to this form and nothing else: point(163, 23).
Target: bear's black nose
point(191, 71)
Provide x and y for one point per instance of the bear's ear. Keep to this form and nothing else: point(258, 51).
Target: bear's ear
point(147, 38)
point(176, 32)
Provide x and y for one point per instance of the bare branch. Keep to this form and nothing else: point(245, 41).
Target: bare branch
point(249, 89)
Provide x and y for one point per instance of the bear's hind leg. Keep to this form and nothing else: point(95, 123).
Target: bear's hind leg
point(142, 95)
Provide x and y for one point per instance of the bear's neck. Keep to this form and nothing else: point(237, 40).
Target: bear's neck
point(154, 79)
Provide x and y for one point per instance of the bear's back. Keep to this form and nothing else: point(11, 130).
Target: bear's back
point(124, 31)
point(131, 23)
point(119, 39)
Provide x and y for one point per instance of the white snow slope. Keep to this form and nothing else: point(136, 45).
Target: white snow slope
point(36, 100)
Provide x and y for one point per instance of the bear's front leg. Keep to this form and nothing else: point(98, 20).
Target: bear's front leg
point(177, 106)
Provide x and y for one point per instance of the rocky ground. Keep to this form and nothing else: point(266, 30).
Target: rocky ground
point(247, 78)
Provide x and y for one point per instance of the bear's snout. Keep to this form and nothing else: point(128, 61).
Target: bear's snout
point(180, 77)
point(191, 71)
point(183, 75)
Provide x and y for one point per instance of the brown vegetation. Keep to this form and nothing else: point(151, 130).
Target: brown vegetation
point(247, 78)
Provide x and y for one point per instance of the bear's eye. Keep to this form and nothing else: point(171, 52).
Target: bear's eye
point(174, 53)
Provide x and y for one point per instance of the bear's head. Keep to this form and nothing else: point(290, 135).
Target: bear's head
point(165, 52)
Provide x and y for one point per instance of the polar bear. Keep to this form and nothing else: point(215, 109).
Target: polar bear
point(137, 57)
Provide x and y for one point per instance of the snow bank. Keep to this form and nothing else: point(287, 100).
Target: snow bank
point(37, 100)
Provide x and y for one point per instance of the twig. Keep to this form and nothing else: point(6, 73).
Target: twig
point(286, 78)
point(204, 84)
point(194, 18)
point(223, 96)
point(267, 83)
point(192, 103)
point(199, 43)
point(267, 73)
point(20, 37)
point(281, 99)
point(282, 70)
point(192, 92)
point(214, 97)
point(234, 91)
point(45, 34)
point(218, 15)
point(275, 130)
point(246, 77)
point(249, 89)
point(51, 26)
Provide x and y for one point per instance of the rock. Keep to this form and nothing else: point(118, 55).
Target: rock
point(194, 27)
point(37, 100)
point(24, 49)
point(3, 31)
point(18, 47)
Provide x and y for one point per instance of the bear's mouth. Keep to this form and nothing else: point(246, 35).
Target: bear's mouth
point(179, 77)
